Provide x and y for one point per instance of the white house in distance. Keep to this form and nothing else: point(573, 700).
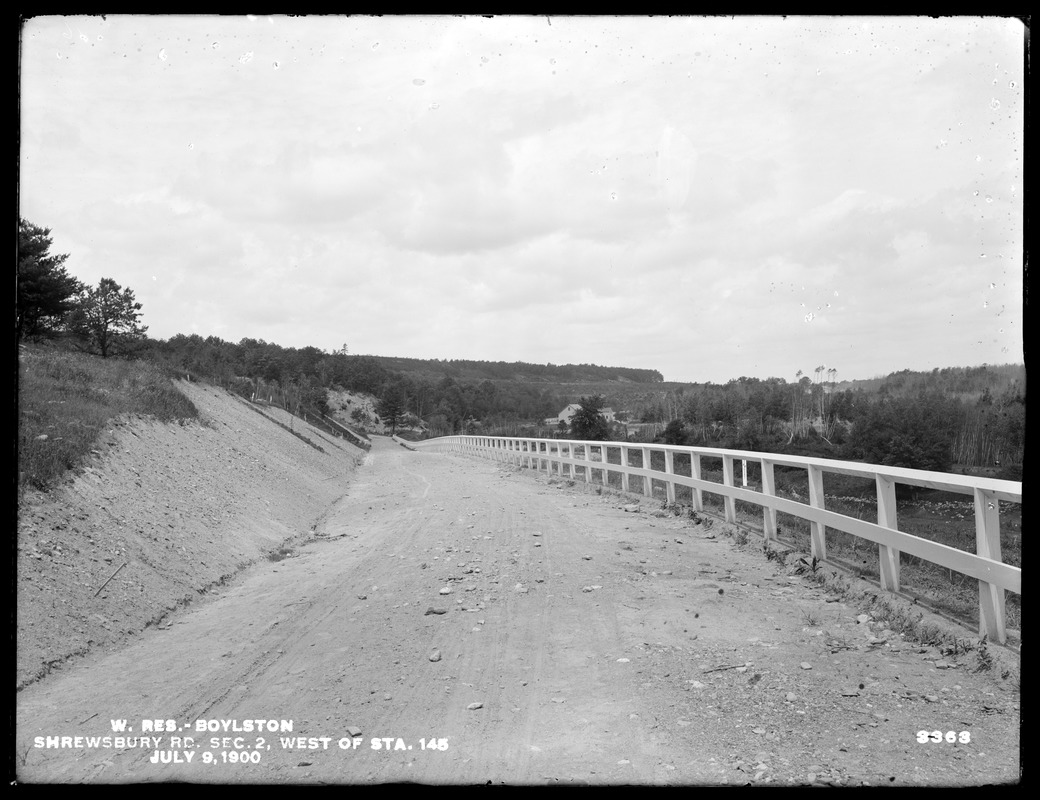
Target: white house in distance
point(565, 415)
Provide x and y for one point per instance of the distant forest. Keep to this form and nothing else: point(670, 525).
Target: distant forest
point(516, 371)
point(967, 416)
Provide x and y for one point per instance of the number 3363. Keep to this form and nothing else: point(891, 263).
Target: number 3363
point(938, 736)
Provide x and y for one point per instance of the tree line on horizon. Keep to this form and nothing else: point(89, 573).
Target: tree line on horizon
point(968, 416)
point(974, 416)
point(468, 369)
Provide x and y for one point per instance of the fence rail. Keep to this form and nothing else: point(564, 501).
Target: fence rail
point(994, 576)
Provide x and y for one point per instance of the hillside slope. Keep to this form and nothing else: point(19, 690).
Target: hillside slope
point(162, 513)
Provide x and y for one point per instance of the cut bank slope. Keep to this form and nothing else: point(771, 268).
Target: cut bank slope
point(161, 514)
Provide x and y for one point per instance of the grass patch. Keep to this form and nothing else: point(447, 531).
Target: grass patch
point(66, 400)
point(904, 620)
point(775, 554)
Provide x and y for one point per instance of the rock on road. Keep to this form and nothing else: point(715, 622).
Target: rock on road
point(471, 622)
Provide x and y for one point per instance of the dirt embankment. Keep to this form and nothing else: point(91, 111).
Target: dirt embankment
point(161, 514)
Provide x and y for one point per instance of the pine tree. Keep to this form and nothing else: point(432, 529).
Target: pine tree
point(45, 292)
point(107, 319)
point(587, 423)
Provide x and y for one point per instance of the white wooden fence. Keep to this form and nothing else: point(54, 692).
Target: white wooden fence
point(562, 456)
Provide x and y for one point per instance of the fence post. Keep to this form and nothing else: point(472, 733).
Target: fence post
point(987, 542)
point(624, 472)
point(669, 467)
point(886, 516)
point(648, 483)
point(818, 544)
point(768, 489)
point(695, 473)
point(727, 479)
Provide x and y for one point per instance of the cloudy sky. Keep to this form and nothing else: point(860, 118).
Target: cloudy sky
point(706, 197)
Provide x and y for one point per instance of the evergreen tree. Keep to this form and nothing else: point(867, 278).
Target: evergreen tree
point(675, 432)
point(107, 319)
point(588, 424)
point(391, 407)
point(913, 432)
point(45, 292)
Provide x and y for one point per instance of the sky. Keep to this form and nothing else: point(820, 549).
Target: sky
point(708, 197)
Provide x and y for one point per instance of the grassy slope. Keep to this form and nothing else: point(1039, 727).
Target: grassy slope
point(65, 400)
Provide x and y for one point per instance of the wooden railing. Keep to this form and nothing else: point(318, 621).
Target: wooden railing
point(995, 577)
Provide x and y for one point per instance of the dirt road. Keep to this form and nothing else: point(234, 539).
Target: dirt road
point(579, 642)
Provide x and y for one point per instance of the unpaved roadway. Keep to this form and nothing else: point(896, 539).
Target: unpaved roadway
point(604, 646)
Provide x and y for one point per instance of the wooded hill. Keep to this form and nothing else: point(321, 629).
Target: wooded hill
point(515, 371)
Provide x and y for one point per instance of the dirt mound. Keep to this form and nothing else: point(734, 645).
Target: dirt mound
point(161, 514)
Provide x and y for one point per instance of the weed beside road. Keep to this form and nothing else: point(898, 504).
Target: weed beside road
point(944, 517)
